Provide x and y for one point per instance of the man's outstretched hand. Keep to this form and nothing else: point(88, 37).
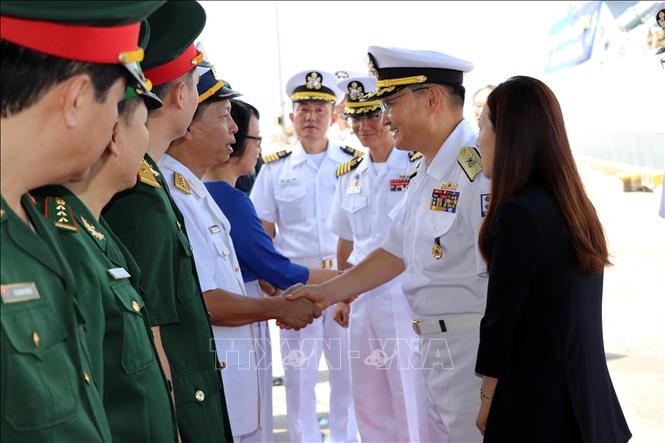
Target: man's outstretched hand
point(316, 294)
point(313, 293)
point(298, 313)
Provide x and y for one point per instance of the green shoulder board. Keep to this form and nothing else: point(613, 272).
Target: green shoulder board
point(60, 213)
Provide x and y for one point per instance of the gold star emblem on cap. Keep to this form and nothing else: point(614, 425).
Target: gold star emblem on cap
point(313, 80)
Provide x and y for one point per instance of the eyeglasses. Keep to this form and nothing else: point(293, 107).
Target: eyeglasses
point(388, 106)
point(258, 139)
point(356, 120)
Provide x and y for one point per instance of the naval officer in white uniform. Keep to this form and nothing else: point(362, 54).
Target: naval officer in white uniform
point(231, 311)
point(434, 232)
point(292, 196)
point(387, 387)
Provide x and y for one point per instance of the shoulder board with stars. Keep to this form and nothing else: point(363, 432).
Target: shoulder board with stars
point(351, 151)
point(469, 159)
point(348, 166)
point(148, 175)
point(415, 155)
point(60, 213)
point(181, 183)
point(274, 156)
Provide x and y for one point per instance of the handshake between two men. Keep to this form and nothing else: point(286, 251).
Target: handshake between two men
point(299, 305)
point(377, 268)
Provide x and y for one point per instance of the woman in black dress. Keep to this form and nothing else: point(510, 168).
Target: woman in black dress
point(541, 352)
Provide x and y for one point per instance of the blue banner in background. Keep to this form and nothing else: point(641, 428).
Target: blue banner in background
point(571, 38)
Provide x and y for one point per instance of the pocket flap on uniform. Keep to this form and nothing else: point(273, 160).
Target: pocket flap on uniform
point(31, 330)
point(354, 204)
point(290, 193)
point(128, 296)
point(442, 223)
point(184, 242)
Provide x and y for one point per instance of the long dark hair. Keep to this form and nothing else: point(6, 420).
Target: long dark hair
point(532, 148)
point(242, 113)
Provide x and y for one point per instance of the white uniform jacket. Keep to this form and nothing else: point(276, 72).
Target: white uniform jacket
point(294, 195)
point(456, 283)
point(363, 201)
point(217, 267)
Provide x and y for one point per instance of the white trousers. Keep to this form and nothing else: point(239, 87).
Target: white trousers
point(301, 352)
point(454, 389)
point(387, 380)
point(264, 434)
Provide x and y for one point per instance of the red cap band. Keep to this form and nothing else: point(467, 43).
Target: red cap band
point(180, 65)
point(94, 44)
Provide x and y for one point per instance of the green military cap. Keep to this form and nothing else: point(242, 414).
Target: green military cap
point(171, 51)
point(135, 89)
point(87, 31)
point(91, 13)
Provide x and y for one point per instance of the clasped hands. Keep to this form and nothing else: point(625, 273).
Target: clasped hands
point(292, 314)
point(313, 295)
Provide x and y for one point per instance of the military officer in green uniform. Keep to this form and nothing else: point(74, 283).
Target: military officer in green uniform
point(124, 362)
point(59, 105)
point(150, 225)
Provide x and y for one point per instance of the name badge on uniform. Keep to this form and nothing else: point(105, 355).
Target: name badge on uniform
point(288, 181)
point(354, 187)
point(214, 229)
point(399, 184)
point(18, 292)
point(445, 198)
point(118, 273)
point(484, 204)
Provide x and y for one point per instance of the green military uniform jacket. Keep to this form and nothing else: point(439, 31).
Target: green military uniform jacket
point(48, 391)
point(125, 364)
point(151, 227)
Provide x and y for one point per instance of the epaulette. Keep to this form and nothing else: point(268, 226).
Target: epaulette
point(351, 151)
point(469, 159)
point(274, 156)
point(181, 183)
point(415, 155)
point(413, 172)
point(148, 175)
point(60, 213)
point(348, 166)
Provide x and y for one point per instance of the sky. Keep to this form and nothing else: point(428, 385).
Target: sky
point(257, 46)
point(244, 39)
